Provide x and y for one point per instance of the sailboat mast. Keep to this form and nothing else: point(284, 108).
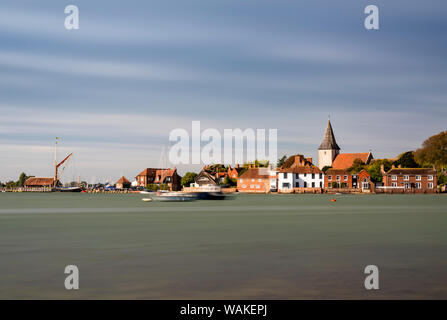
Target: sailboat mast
point(55, 162)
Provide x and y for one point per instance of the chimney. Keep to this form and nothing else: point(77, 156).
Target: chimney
point(399, 166)
point(382, 169)
point(309, 159)
point(237, 165)
point(393, 167)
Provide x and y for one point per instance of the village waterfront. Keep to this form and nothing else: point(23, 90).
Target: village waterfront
point(265, 246)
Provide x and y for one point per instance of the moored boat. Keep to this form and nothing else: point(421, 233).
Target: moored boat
point(173, 197)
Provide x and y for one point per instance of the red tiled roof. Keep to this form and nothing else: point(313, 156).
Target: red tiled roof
point(345, 160)
point(39, 181)
point(155, 172)
point(123, 180)
point(430, 171)
point(257, 173)
point(302, 169)
point(337, 172)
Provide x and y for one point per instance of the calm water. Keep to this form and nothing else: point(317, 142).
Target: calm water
point(255, 246)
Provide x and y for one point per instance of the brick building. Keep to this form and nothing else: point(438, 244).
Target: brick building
point(343, 179)
point(159, 176)
point(411, 180)
point(257, 180)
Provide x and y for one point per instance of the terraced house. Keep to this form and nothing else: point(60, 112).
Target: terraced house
point(257, 180)
point(409, 180)
point(341, 180)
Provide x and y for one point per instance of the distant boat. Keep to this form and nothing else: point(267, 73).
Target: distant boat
point(56, 184)
point(66, 189)
point(209, 193)
point(173, 197)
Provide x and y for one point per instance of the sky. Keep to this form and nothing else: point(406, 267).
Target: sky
point(114, 89)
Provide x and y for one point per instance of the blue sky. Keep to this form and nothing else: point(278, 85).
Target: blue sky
point(114, 89)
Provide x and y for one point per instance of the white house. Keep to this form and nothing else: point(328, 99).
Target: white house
point(305, 177)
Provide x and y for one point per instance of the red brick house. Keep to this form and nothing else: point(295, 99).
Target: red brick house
point(233, 173)
point(256, 180)
point(343, 179)
point(159, 176)
point(410, 180)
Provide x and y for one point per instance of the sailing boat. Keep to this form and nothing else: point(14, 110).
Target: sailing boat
point(56, 184)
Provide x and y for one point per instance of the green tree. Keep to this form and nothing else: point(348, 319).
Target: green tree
point(374, 169)
point(357, 166)
point(433, 151)
point(230, 182)
point(22, 178)
point(188, 178)
point(406, 160)
point(281, 161)
point(326, 168)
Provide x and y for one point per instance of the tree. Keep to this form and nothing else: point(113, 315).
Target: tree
point(326, 168)
point(406, 160)
point(188, 178)
point(433, 151)
point(22, 178)
point(374, 169)
point(357, 166)
point(281, 161)
point(230, 182)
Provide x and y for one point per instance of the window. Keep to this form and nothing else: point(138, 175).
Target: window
point(313, 184)
point(321, 184)
point(321, 176)
point(297, 176)
point(252, 186)
point(394, 184)
point(258, 186)
point(241, 180)
point(329, 178)
point(407, 185)
point(430, 177)
point(297, 184)
point(345, 178)
point(252, 180)
point(305, 184)
point(285, 175)
point(418, 185)
point(430, 185)
point(313, 175)
point(393, 177)
point(418, 177)
point(365, 185)
point(338, 178)
point(285, 185)
point(244, 186)
point(259, 180)
point(305, 174)
point(406, 177)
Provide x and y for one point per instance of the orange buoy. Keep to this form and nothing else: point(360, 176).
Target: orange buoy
point(333, 200)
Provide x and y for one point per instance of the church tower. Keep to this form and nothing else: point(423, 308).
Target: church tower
point(328, 149)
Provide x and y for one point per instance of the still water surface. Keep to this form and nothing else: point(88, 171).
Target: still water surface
point(255, 246)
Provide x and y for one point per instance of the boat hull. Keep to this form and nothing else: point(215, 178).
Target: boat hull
point(71, 189)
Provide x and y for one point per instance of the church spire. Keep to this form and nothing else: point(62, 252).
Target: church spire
point(329, 142)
